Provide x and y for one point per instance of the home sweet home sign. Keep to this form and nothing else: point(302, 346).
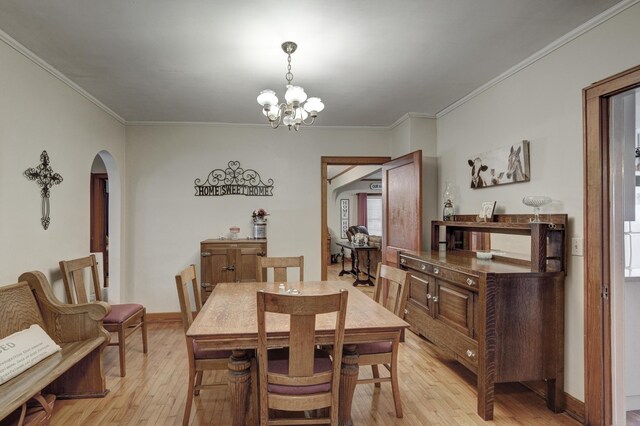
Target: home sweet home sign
point(234, 180)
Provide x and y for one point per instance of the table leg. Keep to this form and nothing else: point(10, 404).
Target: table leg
point(369, 268)
point(342, 255)
point(348, 379)
point(355, 266)
point(239, 385)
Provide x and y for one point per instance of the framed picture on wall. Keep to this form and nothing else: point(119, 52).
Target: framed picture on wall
point(344, 218)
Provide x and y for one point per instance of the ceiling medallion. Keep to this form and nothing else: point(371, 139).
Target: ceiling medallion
point(291, 113)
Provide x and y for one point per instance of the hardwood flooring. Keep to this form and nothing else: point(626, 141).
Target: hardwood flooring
point(435, 391)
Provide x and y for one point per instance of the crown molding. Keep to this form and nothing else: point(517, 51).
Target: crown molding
point(15, 45)
point(409, 115)
point(570, 36)
point(247, 125)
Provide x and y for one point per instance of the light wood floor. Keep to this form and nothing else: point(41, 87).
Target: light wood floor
point(435, 391)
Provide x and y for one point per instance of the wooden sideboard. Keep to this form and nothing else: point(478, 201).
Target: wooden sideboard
point(228, 261)
point(502, 318)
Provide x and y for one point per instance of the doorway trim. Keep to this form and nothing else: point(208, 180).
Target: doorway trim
point(597, 216)
point(336, 161)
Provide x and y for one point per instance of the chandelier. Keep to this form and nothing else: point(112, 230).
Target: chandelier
point(291, 113)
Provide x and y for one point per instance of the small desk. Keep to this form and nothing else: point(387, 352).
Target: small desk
point(228, 320)
point(355, 267)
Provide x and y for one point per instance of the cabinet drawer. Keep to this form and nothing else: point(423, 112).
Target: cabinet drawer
point(416, 265)
point(466, 349)
point(459, 278)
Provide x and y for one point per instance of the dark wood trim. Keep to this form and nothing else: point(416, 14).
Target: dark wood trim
point(597, 319)
point(324, 162)
point(341, 173)
point(574, 408)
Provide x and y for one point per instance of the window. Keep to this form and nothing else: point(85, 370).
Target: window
point(374, 214)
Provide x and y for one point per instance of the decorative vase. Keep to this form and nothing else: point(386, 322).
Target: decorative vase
point(447, 210)
point(259, 229)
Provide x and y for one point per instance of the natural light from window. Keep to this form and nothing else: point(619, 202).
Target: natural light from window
point(374, 215)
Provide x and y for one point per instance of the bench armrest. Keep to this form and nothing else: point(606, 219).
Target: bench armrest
point(67, 322)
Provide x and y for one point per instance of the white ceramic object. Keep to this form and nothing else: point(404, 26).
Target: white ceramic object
point(485, 255)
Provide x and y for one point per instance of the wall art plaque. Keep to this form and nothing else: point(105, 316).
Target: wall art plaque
point(234, 180)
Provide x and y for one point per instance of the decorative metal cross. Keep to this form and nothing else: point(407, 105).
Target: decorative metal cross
point(46, 178)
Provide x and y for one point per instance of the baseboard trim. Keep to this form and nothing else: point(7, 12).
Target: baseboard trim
point(573, 407)
point(164, 317)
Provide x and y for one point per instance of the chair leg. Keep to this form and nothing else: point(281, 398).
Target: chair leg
point(198, 382)
point(190, 392)
point(121, 348)
point(255, 405)
point(394, 386)
point(376, 374)
point(144, 330)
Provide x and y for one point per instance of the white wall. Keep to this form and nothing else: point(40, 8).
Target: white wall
point(411, 135)
point(543, 104)
point(167, 222)
point(39, 112)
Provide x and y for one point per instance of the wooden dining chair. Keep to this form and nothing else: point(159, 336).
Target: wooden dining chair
point(279, 266)
point(391, 291)
point(299, 376)
point(123, 319)
point(199, 359)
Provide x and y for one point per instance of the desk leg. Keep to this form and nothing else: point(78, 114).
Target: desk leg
point(348, 379)
point(239, 385)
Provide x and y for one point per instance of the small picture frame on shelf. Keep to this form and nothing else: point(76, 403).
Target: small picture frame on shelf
point(486, 211)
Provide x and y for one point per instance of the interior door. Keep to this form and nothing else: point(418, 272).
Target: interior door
point(401, 206)
point(99, 220)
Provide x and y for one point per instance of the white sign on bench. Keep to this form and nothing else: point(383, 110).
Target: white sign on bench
point(24, 349)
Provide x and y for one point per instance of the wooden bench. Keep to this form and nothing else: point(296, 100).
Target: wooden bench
point(74, 372)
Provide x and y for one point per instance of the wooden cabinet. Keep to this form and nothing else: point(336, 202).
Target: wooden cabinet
point(501, 318)
point(228, 261)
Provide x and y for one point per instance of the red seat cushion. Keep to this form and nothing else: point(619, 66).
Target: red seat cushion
point(201, 353)
point(375, 348)
point(120, 313)
point(279, 363)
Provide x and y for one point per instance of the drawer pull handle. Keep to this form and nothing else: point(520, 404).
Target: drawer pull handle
point(206, 285)
point(428, 296)
point(406, 312)
point(436, 270)
point(423, 267)
point(403, 261)
point(435, 299)
point(471, 354)
point(469, 281)
point(205, 254)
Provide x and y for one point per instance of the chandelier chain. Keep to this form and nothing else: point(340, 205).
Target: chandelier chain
point(289, 75)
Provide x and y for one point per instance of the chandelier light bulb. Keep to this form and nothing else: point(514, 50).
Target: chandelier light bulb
point(267, 97)
point(314, 104)
point(294, 110)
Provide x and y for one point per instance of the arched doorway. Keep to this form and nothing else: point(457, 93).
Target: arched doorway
point(105, 221)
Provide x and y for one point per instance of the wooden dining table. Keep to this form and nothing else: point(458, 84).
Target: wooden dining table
point(228, 320)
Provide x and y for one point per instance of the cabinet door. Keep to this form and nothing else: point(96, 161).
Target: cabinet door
point(421, 291)
point(453, 306)
point(217, 267)
point(247, 263)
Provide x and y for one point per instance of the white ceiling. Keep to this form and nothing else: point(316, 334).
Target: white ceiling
point(371, 61)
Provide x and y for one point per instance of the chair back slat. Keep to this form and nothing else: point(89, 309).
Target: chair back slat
point(19, 309)
point(302, 345)
point(392, 288)
point(73, 274)
point(279, 266)
point(303, 310)
point(183, 279)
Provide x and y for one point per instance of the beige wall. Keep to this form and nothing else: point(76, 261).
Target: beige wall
point(167, 222)
point(543, 104)
point(39, 112)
